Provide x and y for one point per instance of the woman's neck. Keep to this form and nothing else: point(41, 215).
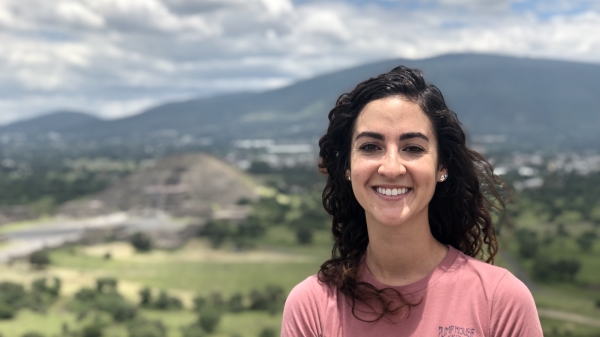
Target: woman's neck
point(402, 254)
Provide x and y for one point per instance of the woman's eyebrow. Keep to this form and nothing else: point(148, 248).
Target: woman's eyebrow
point(379, 136)
point(410, 135)
point(370, 134)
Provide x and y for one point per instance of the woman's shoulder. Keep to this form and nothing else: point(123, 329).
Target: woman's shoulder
point(496, 281)
point(487, 272)
point(306, 307)
point(311, 290)
point(510, 303)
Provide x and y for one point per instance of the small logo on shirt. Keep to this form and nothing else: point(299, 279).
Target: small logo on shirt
point(455, 331)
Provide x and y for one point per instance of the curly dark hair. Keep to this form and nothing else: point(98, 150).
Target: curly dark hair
point(459, 212)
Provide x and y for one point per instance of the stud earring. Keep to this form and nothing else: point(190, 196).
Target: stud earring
point(348, 177)
point(443, 177)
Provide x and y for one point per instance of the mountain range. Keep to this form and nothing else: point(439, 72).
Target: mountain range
point(529, 102)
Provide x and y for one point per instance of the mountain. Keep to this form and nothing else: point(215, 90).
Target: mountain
point(59, 121)
point(532, 102)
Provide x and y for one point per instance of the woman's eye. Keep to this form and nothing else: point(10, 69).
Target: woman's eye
point(369, 147)
point(414, 149)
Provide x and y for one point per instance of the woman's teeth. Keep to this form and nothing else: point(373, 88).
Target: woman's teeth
point(391, 191)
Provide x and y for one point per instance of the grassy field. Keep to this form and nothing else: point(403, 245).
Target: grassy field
point(196, 268)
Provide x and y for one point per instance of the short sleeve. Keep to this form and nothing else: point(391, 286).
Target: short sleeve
point(513, 312)
point(303, 310)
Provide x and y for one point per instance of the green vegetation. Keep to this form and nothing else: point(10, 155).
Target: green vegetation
point(232, 279)
point(191, 291)
point(45, 181)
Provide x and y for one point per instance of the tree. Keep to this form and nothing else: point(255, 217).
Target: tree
point(217, 231)
point(216, 300)
point(141, 242)
point(528, 243)
point(7, 311)
point(116, 306)
point(41, 286)
point(304, 235)
point(91, 331)
point(546, 269)
point(39, 259)
point(562, 231)
point(567, 268)
point(267, 332)
point(146, 297)
point(199, 303)
point(209, 319)
point(585, 241)
point(271, 299)
point(42, 295)
point(236, 303)
point(166, 302)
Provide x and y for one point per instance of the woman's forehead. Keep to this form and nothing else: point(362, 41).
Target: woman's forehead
point(392, 115)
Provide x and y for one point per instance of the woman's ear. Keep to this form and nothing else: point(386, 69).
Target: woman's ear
point(348, 175)
point(442, 174)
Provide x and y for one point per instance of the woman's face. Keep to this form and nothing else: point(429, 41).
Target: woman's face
point(393, 162)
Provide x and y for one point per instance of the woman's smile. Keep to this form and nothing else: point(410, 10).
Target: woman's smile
point(399, 192)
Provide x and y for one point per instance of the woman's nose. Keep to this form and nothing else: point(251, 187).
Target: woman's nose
point(392, 165)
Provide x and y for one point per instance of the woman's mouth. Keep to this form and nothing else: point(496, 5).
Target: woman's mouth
point(391, 191)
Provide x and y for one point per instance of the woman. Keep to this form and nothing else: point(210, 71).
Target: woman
point(411, 222)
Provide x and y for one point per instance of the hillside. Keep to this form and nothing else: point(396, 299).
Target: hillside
point(182, 185)
point(59, 121)
point(534, 102)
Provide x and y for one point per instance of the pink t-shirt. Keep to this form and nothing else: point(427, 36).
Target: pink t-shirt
point(462, 297)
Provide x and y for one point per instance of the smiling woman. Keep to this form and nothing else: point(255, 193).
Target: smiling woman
point(414, 239)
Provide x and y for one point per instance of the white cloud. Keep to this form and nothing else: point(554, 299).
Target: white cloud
point(116, 57)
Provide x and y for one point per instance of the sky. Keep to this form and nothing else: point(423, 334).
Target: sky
point(115, 58)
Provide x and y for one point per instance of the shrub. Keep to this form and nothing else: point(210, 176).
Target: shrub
point(545, 269)
point(528, 244)
point(117, 307)
point(217, 232)
point(209, 319)
point(561, 230)
point(267, 332)
point(12, 294)
point(106, 285)
point(216, 300)
point(39, 259)
point(199, 303)
point(166, 302)
point(91, 331)
point(40, 286)
point(304, 235)
point(141, 242)
point(145, 297)
point(86, 295)
point(236, 303)
point(6, 311)
point(586, 241)
point(271, 299)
